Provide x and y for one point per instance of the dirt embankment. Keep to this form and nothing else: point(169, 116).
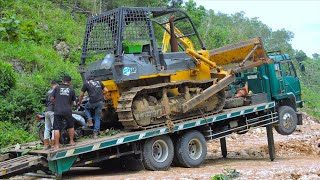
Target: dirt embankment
point(305, 141)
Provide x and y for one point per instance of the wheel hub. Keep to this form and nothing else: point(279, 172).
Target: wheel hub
point(288, 120)
point(160, 151)
point(195, 149)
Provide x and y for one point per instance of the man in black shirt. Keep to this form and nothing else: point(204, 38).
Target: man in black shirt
point(49, 117)
point(95, 90)
point(63, 96)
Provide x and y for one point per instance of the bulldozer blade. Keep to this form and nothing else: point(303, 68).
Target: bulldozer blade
point(215, 88)
point(231, 56)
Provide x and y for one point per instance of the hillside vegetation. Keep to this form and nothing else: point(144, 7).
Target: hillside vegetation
point(42, 40)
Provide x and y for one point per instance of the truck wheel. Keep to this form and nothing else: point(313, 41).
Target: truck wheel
point(158, 153)
point(287, 120)
point(191, 149)
point(234, 102)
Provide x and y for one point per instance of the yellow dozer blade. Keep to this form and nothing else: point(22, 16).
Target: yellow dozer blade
point(235, 56)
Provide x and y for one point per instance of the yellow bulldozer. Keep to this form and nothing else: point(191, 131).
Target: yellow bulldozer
point(148, 60)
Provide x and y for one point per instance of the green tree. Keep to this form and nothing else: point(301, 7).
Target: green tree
point(300, 55)
point(280, 40)
point(315, 56)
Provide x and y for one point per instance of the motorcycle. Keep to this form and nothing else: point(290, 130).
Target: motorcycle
point(79, 126)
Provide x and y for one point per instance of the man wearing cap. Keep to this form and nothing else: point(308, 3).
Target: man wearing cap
point(63, 96)
point(95, 91)
point(49, 117)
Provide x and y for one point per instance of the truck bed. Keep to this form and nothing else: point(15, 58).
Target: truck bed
point(27, 159)
point(88, 145)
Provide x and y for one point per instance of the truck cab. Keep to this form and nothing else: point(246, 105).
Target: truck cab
point(284, 82)
point(278, 82)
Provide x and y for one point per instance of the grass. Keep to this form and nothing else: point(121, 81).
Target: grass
point(311, 101)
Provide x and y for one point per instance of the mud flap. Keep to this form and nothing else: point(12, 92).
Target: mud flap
point(299, 116)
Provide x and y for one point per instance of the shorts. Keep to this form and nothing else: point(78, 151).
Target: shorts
point(59, 124)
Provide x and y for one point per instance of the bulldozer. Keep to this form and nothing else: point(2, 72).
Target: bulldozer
point(156, 67)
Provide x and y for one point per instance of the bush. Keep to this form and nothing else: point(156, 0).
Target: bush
point(30, 31)
point(12, 134)
point(311, 101)
point(7, 78)
point(9, 27)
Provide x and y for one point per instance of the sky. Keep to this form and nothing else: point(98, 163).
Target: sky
point(300, 17)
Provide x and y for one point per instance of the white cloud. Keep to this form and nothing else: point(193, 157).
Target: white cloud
point(300, 17)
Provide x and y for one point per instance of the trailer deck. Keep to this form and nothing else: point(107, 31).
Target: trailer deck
point(61, 160)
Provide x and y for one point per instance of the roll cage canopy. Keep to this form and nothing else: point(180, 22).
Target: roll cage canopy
point(107, 32)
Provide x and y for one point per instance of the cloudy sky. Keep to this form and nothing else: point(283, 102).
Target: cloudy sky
point(300, 17)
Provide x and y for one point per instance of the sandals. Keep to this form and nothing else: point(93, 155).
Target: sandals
point(53, 148)
point(72, 144)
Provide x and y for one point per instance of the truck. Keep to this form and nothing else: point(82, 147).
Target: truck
point(166, 105)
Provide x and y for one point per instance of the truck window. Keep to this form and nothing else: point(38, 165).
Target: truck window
point(277, 69)
point(287, 69)
point(292, 69)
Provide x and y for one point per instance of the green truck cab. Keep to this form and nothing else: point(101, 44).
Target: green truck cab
point(277, 81)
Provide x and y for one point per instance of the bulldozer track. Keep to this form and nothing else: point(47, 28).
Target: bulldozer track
point(125, 112)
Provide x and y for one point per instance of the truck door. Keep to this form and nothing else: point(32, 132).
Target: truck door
point(280, 80)
point(291, 81)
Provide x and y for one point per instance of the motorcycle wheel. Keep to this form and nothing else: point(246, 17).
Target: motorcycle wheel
point(41, 132)
point(64, 137)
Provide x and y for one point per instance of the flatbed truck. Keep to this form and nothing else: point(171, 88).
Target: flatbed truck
point(156, 148)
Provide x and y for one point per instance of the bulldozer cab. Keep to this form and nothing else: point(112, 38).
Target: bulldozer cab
point(134, 30)
point(124, 44)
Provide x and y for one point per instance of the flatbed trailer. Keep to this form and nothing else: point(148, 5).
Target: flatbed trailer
point(96, 152)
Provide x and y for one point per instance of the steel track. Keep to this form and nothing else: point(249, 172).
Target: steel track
point(125, 112)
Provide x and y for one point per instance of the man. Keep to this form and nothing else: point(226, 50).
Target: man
point(95, 90)
point(63, 96)
point(49, 117)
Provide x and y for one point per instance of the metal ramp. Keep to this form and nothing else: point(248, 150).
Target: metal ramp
point(20, 165)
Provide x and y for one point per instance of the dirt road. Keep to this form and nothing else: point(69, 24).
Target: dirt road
point(297, 157)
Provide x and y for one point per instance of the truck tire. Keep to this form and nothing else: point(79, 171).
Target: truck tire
point(157, 153)
point(234, 102)
point(191, 149)
point(287, 120)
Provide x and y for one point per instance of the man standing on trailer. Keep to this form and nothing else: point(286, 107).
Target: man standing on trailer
point(49, 117)
point(95, 90)
point(63, 97)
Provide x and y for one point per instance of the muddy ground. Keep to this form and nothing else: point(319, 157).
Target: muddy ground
point(297, 157)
